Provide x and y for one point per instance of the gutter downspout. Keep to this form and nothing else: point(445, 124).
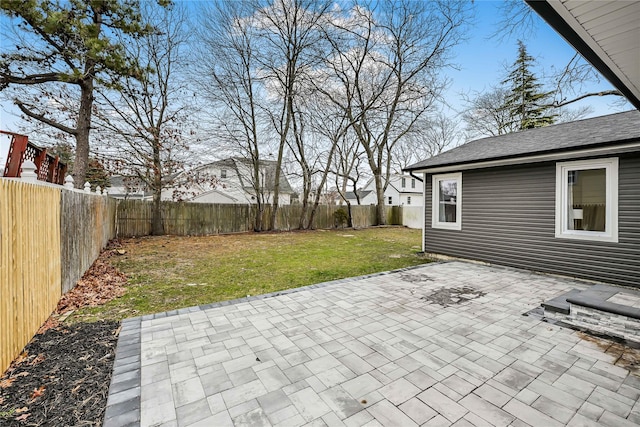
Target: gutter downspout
point(415, 176)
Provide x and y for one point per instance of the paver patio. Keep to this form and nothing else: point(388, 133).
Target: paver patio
point(373, 351)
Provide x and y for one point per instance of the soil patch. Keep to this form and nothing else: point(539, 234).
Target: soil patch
point(61, 378)
point(626, 357)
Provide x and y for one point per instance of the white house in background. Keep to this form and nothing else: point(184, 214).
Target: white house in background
point(131, 188)
point(403, 190)
point(229, 181)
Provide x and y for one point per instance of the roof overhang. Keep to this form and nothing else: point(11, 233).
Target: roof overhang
point(605, 33)
point(627, 147)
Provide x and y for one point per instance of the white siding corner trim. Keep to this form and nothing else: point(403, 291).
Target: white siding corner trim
point(436, 221)
point(562, 214)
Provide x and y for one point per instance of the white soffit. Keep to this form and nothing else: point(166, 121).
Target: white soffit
point(611, 29)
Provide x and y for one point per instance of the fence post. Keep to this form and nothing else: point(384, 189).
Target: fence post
point(29, 172)
point(68, 182)
point(87, 187)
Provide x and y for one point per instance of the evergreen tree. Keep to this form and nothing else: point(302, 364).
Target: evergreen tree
point(70, 43)
point(526, 104)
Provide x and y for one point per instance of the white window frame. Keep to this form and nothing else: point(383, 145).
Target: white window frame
point(435, 202)
point(408, 200)
point(611, 199)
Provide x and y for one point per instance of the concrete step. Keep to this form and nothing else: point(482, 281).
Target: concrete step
point(602, 309)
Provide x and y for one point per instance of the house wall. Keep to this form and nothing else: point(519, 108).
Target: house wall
point(508, 218)
point(416, 199)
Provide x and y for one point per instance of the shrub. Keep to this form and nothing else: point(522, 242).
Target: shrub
point(340, 218)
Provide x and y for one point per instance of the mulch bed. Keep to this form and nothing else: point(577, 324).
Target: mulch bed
point(62, 376)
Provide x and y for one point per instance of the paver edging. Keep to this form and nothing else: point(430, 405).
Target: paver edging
point(126, 413)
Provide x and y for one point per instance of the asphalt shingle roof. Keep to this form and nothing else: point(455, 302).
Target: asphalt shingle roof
point(561, 137)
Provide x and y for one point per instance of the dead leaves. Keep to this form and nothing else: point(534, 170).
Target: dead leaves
point(99, 285)
point(22, 417)
point(37, 392)
point(6, 382)
point(50, 323)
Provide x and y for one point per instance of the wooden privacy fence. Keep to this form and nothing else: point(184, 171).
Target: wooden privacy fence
point(30, 262)
point(198, 219)
point(87, 223)
point(49, 237)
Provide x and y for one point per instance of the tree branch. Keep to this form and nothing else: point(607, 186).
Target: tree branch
point(32, 79)
point(558, 104)
point(42, 118)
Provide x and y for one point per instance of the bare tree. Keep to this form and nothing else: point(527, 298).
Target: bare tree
point(146, 119)
point(383, 72)
point(431, 135)
point(349, 168)
point(485, 114)
point(289, 32)
point(330, 128)
point(232, 82)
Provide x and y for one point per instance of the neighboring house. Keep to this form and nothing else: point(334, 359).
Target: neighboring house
point(402, 190)
point(131, 188)
point(562, 199)
point(228, 181)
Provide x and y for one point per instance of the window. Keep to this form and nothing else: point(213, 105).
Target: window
point(447, 201)
point(404, 182)
point(413, 183)
point(223, 173)
point(587, 200)
point(390, 200)
point(408, 200)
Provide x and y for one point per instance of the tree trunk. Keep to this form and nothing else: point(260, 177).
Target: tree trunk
point(157, 228)
point(380, 216)
point(276, 186)
point(323, 180)
point(349, 215)
point(257, 226)
point(83, 126)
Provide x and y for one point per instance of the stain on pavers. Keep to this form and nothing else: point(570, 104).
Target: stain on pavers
point(451, 296)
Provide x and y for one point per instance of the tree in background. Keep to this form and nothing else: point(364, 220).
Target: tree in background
point(143, 123)
point(432, 135)
point(519, 19)
point(527, 105)
point(68, 43)
point(230, 82)
point(518, 103)
point(290, 32)
point(485, 114)
point(384, 72)
point(97, 175)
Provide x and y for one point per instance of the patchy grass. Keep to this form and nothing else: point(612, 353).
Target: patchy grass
point(167, 273)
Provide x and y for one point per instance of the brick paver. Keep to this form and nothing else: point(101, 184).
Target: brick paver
point(372, 351)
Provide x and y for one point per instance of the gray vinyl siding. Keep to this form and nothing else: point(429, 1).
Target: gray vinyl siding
point(508, 218)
